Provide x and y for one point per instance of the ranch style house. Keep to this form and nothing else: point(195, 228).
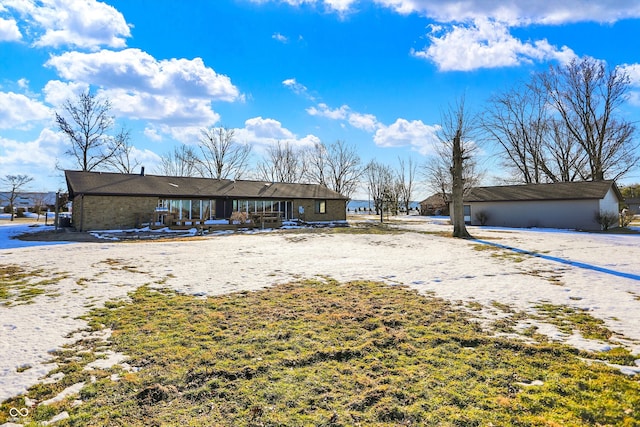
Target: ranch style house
point(563, 205)
point(109, 201)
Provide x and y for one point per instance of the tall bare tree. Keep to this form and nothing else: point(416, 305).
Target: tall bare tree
point(405, 182)
point(182, 161)
point(222, 156)
point(86, 122)
point(282, 163)
point(336, 166)
point(15, 184)
point(123, 160)
point(456, 133)
point(316, 161)
point(343, 168)
point(517, 120)
point(588, 98)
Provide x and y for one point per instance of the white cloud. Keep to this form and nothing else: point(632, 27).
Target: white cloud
point(340, 6)
point(147, 158)
point(267, 128)
point(404, 133)
point(87, 24)
point(279, 37)
point(18, 111)
point(261, 133)
point(323, 110)
point(32, 157)
point(518, 12)
point(57, 92)
point(137, 70)
point(633, 71)
point(176, 91)
point(296, 87)
point(485, 44)
point(152, 134)
point(366, 122)
point(514, 12)
point(9, 30)
point(171, 110)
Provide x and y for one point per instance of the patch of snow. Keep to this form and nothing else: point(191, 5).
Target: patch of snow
point(225, 261)
point(69, 391)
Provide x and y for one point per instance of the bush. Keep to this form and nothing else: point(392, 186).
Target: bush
point(20, 213)
point(606, 219)
point(482, 217)
point(239, 218)
point(625, 218)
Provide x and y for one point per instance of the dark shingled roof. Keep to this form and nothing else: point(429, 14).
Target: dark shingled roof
point(554, 191)
point(117, 184)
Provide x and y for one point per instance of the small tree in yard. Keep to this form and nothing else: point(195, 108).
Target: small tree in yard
point(15, 184)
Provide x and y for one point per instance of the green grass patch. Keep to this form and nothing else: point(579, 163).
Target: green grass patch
point(332, 354)
point(569, 319)
point(19, 285)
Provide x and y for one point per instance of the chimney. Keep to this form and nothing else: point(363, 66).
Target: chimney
point(142, 171)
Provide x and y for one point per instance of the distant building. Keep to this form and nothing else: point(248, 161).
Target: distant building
point(435, 204)
point(565, 205)
point(633, 204)
point(29, 200)
point(102, 201)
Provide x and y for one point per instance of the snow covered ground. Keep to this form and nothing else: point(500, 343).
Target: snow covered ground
point(595, 272)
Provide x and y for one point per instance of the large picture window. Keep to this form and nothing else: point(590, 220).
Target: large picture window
point(188, 209)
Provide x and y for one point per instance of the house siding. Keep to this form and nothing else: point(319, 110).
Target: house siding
point(609, 204)
point(568, 214)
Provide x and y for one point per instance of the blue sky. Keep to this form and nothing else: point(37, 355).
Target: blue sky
point(375, 74)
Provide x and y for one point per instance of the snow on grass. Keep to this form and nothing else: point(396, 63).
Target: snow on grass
point(457, 270)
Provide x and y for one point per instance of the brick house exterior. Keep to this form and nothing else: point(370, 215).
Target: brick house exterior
point(103, 201)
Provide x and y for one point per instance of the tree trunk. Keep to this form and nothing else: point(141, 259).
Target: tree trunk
point(457, 193)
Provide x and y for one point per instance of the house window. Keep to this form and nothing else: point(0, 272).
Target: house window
point(321, 206)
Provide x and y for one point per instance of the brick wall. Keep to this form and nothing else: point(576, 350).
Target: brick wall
point(124, 212)
point(336, 210)
point(111, 213)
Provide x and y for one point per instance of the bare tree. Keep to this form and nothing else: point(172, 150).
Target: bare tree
point(122, 159)
point(380, 180)
point(87, 128)
point(517, 120)
point(405, 182)
point(337, 166)
point(344, 168)
point(39, 201)
point(222, 157)
point(317, 167)
point(283, 163)
point(455, 135)
point(437, 172)
point(588, 97)
point(182, 161)
point(15, 184)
